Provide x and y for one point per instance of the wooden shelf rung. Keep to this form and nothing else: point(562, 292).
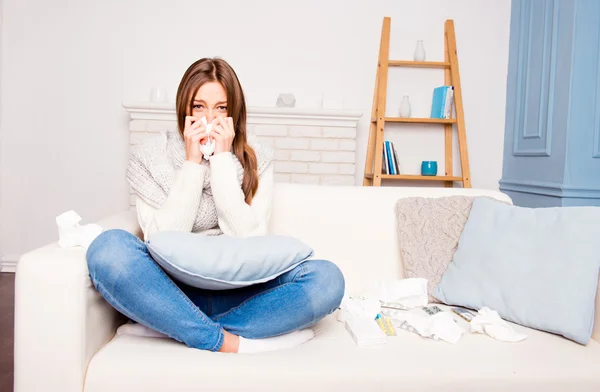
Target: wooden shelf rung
point(424, 120)
point(419, 64)
point(415, 177)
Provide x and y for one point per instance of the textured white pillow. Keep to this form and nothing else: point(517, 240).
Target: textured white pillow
point(225, 262)
point(428, 233)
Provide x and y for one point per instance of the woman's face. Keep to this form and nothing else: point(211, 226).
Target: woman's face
point(210, 101)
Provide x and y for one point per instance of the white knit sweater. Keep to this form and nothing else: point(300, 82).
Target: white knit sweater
point(235, 217)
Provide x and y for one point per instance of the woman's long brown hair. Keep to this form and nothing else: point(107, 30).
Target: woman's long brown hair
point(218, 70)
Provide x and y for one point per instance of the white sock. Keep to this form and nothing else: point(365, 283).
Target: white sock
point(289, 340)
point(247, 346)
point(139, 330)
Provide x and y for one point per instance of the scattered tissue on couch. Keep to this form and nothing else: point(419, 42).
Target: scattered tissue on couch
point(537, 267)
point(225, 262)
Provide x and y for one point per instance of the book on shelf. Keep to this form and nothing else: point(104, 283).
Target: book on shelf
point(390, 159)
point(384, 165)
point(396, 159)
point(441, 105)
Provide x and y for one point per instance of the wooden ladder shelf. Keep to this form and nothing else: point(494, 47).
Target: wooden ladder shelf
point(374, 159)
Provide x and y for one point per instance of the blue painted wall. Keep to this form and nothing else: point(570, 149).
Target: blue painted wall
point(552, 138)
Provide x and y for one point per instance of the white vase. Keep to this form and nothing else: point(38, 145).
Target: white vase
point(419, 51)
point(405, 107)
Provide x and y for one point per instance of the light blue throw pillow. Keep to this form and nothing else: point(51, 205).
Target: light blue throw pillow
point(225, 262)
point(537, 267)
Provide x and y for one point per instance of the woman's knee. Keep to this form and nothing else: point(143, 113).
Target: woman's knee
point(110, 253)
point(329, 285)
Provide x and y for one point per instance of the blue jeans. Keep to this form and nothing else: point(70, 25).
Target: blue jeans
point(133, 283)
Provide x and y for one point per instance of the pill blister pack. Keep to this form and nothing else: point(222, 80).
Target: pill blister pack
point(407, 327)
point(464, 313)
point(431, 310)
point(386, 325)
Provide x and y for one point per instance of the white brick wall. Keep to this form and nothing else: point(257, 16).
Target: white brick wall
point(324, 145)
point(311, 155)
point(305, 156)
point(338, 156)
point(291, 167)
point(293, 143)
point(323, 155)
point(345, 133)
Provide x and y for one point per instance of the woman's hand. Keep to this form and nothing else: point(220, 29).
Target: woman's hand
point(223, 133)
point(193, 134)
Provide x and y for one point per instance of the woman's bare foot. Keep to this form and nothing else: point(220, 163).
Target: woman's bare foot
point(231, 343)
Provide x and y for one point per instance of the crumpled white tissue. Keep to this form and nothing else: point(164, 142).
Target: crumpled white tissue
point(404, 293)
point(440, 326)
point(358, 307)
point(71, 233)
point(489, 322)
point(207, 148)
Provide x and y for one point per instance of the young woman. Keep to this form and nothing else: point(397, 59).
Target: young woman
point(227, 194)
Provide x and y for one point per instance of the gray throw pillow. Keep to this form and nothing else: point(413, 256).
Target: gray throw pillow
point(537, 267)
point(428, 232)
point(225, 262)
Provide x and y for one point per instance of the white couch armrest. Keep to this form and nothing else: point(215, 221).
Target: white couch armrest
point(61, 320)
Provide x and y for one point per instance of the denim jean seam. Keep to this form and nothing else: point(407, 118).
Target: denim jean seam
point(303, 272)
point(220, 340)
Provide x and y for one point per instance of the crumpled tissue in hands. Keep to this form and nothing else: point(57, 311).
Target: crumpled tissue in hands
point(207, 148)
point(489, 322)
point(71, 233)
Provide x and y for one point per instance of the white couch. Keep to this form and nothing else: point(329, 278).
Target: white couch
point(65, 332)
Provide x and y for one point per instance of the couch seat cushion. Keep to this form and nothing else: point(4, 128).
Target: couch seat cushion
point(332, 362)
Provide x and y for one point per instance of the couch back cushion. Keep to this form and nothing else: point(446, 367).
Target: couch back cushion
point(353, 226)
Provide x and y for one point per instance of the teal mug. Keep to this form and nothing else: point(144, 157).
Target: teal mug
point(429, 168)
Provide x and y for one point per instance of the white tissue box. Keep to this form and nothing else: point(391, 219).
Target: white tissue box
point(365, 332)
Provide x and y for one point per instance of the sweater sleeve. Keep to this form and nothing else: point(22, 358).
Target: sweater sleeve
point(178, 213)
point(236, 217)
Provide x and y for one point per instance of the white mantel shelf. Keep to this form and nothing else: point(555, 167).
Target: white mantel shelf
point(256, 115)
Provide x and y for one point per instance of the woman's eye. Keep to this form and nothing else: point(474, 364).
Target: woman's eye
point(197, 106)
point(222, 108)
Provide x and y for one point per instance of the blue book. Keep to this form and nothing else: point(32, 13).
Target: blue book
point(439, 102)
point(385, 165)
point(444, 97)
point(390, 159)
